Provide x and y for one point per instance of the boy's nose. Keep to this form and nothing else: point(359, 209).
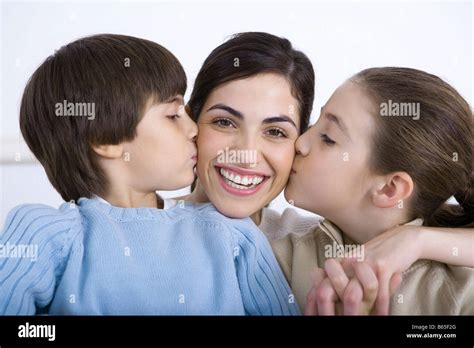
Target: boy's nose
point(192, 128)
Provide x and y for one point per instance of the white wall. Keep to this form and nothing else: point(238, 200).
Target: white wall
point(340, 37)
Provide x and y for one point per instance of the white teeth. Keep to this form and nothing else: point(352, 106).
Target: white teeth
point(237, 179)
point(240, 182)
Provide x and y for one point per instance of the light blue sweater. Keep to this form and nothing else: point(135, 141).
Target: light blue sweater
point(93, 258)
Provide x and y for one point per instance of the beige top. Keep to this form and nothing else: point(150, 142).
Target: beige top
point(428, 287)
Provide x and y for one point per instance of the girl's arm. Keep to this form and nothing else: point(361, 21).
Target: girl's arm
point(454, 246)
point(395, 250)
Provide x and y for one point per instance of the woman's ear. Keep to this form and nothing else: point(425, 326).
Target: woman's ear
point(108, 151)
point(391, 189)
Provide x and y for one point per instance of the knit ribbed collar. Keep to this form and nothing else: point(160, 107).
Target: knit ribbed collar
point(128, 214)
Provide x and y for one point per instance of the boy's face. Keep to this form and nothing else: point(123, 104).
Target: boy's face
point(163, 154)
point(330, 173)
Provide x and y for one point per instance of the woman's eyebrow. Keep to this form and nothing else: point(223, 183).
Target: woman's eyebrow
point(280, 118)
point(227, 108)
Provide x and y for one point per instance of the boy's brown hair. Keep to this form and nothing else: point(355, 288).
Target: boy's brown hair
point(113, 75)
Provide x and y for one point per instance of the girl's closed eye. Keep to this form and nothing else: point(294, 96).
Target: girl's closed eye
point(327, 140)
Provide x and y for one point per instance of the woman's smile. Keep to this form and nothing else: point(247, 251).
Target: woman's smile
point(240, 181)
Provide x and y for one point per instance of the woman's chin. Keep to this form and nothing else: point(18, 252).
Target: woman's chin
point(234, 211)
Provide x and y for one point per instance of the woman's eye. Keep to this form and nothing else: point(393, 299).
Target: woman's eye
point(173, 117)
point(327, 139)
point(223, 122)
point(278, 133)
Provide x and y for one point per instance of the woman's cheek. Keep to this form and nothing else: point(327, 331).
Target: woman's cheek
point(207, 144)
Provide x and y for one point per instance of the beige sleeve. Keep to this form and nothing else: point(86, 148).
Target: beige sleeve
point(298, 255)
point(433, 288)
point(283, 250)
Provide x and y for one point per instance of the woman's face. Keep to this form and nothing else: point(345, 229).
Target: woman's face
point(330, 173)
point(247, 134)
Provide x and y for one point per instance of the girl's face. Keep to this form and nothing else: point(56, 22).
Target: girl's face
point(247, 134)
point(330, 173)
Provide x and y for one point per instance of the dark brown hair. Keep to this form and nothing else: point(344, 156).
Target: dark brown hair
point(256, 53)
point(118, 75)
point(436, 149)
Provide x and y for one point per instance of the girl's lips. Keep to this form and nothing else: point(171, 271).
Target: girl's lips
point(236, 191)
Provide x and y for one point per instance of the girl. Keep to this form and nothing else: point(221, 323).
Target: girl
point(367, 171)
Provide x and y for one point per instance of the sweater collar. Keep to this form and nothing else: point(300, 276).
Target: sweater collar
point(340, 238)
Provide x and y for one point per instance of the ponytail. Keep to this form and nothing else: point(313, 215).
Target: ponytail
point(462, 215)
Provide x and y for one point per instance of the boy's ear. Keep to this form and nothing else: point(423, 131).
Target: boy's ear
point(391, 189)
point(108, 151)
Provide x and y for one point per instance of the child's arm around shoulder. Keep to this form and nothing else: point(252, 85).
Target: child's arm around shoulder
point(34, 247)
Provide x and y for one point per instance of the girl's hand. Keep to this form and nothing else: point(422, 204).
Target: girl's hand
point(388, 255)
point(334, 293)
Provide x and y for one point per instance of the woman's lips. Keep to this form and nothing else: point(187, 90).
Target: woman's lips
point(240, 181)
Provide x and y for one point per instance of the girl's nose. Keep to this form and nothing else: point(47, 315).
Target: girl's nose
point(302, 145)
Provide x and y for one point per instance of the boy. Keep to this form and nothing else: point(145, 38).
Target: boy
point(104, 115)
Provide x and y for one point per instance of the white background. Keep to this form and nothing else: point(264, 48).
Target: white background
point(340, 37)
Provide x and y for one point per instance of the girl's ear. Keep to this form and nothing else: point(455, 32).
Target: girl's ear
point(108, 151)
point(391, 189)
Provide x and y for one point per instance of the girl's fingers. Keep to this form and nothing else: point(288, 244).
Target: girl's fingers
point(311, 307)
point(383, 297)
point(395, 282)
point(353, 297)
point(369, 282)
point(317, 276)
point(326, 298)
point(337, 276)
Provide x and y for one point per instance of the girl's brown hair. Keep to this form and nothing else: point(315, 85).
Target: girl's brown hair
point(435, 147)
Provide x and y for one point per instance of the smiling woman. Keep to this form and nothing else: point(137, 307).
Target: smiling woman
point(254, 93)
